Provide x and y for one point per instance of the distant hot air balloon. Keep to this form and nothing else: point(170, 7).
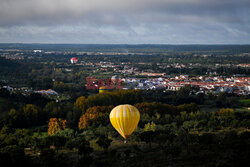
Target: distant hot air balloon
point(125, 119)
point(73, 60)
point(104, 89)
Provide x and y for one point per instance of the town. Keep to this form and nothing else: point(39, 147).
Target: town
point(140, 74)
point(65, 104)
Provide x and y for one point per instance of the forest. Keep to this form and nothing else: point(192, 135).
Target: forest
point(37, 131)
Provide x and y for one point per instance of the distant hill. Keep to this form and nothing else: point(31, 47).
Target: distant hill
point(147, 48)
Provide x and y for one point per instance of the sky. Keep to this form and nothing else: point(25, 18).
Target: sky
point(125, 21)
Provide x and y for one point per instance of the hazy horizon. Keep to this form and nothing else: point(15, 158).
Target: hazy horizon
point(40, 43)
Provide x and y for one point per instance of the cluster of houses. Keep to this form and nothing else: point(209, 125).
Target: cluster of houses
point(145, 80)
point(217, 84)
point(15, 56)
point(26, 91)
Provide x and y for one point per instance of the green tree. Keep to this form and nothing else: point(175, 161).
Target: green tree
point(54, 110)
point(150, 127)
point(31, 114)
point(15, 118)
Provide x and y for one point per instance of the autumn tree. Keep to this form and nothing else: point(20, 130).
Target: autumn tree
point(226, 112)
point(83, 122)
point(87, 118)
point(94, 115)
point(115, 98)
point(56, 125)
point(81, 104)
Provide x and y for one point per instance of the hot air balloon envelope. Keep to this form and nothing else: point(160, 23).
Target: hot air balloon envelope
point(104, 89)
point(125, 119)
point(73, 60)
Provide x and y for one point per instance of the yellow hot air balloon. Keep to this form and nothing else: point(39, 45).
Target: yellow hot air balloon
point(125, 119)
point(104, 89)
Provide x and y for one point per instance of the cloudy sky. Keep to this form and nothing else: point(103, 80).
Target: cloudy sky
point(125, 21)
